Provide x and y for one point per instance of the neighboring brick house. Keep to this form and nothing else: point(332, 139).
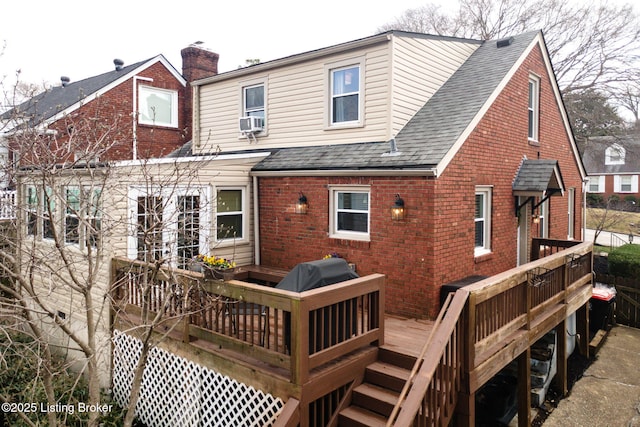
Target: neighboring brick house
point(149, 102)
point(613, 166)
point(472, 136)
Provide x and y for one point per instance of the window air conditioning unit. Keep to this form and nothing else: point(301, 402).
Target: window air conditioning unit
point(250, 124)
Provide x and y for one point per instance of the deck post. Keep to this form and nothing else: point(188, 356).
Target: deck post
point(561, 358)
point(524, 388)
point(582, 329)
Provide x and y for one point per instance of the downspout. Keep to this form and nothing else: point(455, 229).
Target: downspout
point(585, 183)
point(256, 222)
point(134, 114)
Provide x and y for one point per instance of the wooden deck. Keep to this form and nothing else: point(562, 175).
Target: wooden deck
point(406, 336)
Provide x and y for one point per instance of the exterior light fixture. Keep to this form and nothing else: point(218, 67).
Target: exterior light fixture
point(536, 219)
point(302, 206)
point(398, 210)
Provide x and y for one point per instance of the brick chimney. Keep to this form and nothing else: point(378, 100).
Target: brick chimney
point(197, 63)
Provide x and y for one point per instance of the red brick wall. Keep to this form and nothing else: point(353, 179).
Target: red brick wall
point(111, 115)
point(435, 244)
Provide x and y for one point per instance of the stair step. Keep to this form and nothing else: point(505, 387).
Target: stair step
point(395, 358)
point(387, 375)
point(375, 399)
point(354, 416)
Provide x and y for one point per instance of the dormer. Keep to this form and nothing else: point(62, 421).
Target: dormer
point(614, 155)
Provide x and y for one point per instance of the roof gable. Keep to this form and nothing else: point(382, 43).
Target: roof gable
point(52, 104)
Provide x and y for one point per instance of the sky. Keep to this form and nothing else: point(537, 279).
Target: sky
point(48, 39)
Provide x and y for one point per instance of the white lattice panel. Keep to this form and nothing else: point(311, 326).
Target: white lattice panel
point(178, 392)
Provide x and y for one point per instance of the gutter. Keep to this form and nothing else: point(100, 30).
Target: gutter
point(294, 59)
point(432, 172)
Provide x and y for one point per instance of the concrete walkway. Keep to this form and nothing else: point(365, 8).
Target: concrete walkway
point(609, 393)
point(606, 238)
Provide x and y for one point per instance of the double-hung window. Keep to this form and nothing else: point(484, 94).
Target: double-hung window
point(72, 215)
point(350, 213)
point(345, 91)
point(482, 221)
point(230, 214)
point(158, 106)
point(253, 101)
point(596, 184)
point(625, 183)
point(534, 107)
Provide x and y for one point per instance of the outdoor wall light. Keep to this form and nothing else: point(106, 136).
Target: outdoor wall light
point(398, 210)
point(302, 206)
point(536, 219)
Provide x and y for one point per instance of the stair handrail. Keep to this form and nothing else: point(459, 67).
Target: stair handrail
point(418, 363)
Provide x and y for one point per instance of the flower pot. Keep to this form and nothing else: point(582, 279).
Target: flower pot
point(219, 273)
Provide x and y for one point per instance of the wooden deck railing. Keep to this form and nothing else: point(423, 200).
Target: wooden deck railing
point(490, 322)
point(294, 331)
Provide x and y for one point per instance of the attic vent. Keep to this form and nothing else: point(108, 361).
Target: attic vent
point(504, 42)
point(118, 63)
point(65, 81)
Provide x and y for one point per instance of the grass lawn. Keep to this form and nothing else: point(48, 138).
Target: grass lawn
point(617, 221)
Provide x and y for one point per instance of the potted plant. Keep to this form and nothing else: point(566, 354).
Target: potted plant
point(215, 267)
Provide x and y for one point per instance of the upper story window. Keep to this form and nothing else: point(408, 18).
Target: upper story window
point(483, 221)
point(596, 184)
point(253, 101)
point(32, 210)
point(230, 214)
point(534, 107)
point(345, 95)
point(350, 213)
point(158, 106)
point(614, 155)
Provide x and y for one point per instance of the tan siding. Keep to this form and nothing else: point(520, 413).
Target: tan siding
point(421, 66)
point(296, 106)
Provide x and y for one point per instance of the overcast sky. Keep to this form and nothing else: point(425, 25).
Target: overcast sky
point(47, 39)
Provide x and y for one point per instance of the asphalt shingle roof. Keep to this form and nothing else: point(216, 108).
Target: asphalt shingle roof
point(57, 99)
point(434, 129)
point(538, 176)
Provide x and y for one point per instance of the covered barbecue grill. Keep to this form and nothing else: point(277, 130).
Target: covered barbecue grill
point(323, 323)
point(316, 274)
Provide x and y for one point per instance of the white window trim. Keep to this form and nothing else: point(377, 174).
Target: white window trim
point(245, 218)
point(174, 106)
point(333, 213)
point(328, 92)
point(486, 191)
point(544, 219)
point(262, 81)
point(535, 108)
point(600, 184)
point(169, 216)
point(620, 150)
point(571, 213)
point(617, 184)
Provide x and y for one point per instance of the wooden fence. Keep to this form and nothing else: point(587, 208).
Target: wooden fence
point(627, 302)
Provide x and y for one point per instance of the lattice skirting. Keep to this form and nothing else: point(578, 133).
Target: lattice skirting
point(178, 392)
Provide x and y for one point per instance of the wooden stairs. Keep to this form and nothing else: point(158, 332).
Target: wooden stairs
point(372, 401)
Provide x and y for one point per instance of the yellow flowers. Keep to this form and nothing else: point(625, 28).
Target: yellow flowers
point(215, 262)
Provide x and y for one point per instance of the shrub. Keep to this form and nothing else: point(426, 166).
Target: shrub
point(594, 200)
point(625, 261)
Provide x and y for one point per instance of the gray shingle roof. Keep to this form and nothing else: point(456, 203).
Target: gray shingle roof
point(432, 132)
point(538, 176)
point(57, 99)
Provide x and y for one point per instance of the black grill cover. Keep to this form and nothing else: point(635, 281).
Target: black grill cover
point(316, 274)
